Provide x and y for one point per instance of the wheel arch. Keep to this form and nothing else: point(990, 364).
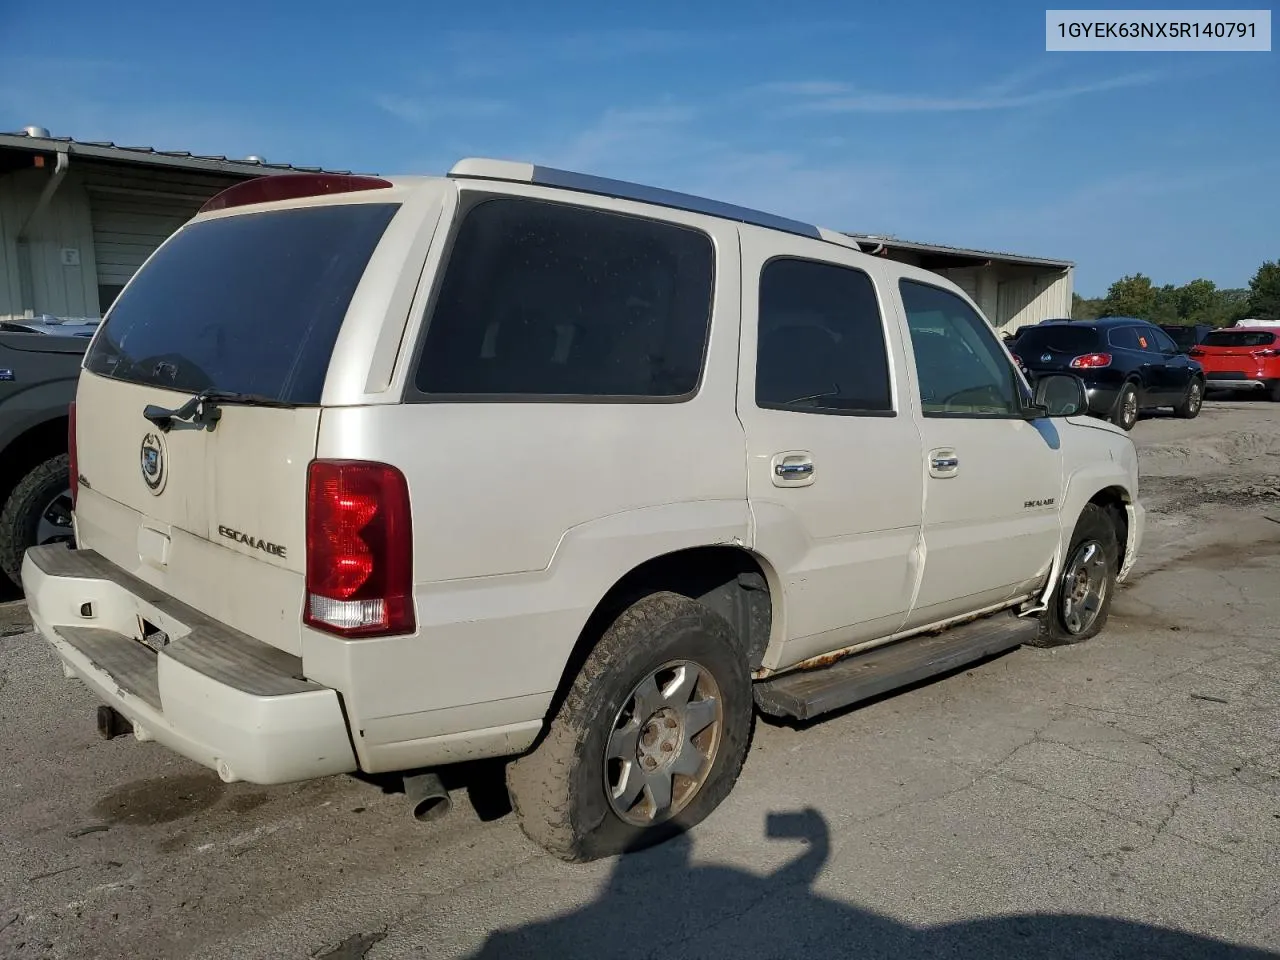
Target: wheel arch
point(739, 585)
point(36, 443)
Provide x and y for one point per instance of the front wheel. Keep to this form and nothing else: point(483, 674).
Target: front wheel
point(1125, 414)
point(1081, 601)
point(649, 740)
point(1190, 406)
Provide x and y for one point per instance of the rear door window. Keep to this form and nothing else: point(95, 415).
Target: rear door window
point(821, 345)
point(250, 303)
point(1124, 338)
point(544, 300)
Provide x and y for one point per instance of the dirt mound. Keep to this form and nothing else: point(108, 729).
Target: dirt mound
point(1241, 452)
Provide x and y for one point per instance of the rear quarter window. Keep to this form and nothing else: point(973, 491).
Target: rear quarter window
point(545, 300)
point(250, 303)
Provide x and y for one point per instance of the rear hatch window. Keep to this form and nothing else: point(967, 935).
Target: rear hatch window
point(250, 303)
point(1239, 338)
point(1060, 340)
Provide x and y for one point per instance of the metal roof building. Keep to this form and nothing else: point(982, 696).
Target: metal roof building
point(1012, 289)
point(78, 218)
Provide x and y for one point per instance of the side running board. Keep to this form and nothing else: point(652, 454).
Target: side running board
point(805, 694)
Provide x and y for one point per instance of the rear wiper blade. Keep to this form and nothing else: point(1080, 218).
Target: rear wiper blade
point(204, 409)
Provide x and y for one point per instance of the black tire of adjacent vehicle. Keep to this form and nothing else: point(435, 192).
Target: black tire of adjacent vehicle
point(1118, 414)
point(1273, 391)
point(1094, 524)
point(1190, 406)
point(558, 790)
point(20, 517)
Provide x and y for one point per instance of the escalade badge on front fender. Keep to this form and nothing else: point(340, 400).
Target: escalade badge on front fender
point(154, 469)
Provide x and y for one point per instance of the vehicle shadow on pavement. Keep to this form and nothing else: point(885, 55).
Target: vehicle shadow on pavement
point(658, 904)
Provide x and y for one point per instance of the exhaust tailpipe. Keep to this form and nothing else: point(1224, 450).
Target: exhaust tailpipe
point(428, 797)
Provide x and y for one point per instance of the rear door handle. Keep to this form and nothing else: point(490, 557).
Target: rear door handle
point(793, 468)
point(943, 463)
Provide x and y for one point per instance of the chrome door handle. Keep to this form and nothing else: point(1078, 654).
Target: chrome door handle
point(946, 463)
point(793, 469)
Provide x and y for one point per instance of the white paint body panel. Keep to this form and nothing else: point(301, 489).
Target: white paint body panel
point(526, 514)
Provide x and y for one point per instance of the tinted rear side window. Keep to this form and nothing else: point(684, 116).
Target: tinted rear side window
point(1239, 338)
point(821, 344)
point(250, 303)
point(1073, 340)
point(545, 300)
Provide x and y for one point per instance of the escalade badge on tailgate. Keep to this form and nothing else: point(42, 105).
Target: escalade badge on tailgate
point(154, 473)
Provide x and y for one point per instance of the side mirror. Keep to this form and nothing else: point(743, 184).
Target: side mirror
point(1060, 395)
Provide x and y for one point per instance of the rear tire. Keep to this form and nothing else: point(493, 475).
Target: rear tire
point(1190, 406)
point(37, 511)
point(593, 787)
point(1125, 415)
point(1081, 601)
point(1273, 391)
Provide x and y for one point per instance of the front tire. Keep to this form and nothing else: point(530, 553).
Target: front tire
point(649, 740)
point(1190, 406)
point(37, 512)
point(1125, 415)
point(1081, 601)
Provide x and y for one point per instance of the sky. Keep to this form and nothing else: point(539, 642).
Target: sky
point(944, 123)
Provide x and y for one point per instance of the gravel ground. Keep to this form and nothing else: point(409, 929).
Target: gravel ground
point(1117, 799)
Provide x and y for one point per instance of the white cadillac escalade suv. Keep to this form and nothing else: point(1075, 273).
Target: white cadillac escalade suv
point(385, 474)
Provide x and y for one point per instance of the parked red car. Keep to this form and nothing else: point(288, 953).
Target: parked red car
point(1241, 358)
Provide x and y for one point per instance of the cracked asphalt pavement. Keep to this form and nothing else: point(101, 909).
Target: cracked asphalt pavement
point(1116, 799)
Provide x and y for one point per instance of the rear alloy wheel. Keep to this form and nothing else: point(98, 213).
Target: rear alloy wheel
point(650, 738)
point(1125, 414)
point(1081, 601)
point(38, 512)
point(1190, 406)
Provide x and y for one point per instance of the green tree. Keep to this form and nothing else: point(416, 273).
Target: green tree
point(1130, 296)
point(1164, 309)
point(1083, 308)
point(1197, 301)
point(1264, 292)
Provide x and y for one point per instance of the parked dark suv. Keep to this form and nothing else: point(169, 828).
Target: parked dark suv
point(1127, 365)
point(1186, 335)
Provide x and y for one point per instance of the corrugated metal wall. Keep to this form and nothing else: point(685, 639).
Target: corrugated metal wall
point(1030, 299)
point(135, 210)
point(57, 287)
point(110, 217)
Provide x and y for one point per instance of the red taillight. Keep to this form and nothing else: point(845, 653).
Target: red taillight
point(359, 549)
point(1091, 360)
point(1195, 352)
point(1016, 359)
point(290, 186)
point(72, 454)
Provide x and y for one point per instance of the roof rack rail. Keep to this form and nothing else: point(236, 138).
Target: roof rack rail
point(483, 169)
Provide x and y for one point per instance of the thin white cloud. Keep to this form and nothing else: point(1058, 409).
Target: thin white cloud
point(818, 96)
point(427, 108)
